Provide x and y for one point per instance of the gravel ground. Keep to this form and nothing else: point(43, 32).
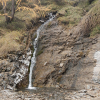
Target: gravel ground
point(91, 93)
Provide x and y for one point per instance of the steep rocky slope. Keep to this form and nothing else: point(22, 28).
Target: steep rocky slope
point(65, 57)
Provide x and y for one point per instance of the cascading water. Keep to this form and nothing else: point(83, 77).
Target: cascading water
point(33, 60)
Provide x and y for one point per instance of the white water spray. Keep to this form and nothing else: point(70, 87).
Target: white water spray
point(33, 60)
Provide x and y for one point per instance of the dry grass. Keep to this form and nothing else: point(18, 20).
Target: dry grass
point(23, 15)
point(10, 35)
point(9, 42)
point(70, 15)
point(2, 18)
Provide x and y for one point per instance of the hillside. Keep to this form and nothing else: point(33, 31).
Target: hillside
point(68, 50)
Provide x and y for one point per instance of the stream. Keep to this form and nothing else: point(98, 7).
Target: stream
point(33, 59)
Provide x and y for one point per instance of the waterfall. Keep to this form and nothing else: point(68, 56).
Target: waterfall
point(33, 59)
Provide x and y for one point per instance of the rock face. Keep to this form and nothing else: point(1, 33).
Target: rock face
point(13, 69)
point(66, 56)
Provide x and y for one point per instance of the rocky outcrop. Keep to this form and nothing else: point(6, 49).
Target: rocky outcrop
point(13, 69)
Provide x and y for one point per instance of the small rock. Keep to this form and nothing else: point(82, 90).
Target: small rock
point(8, 69)
point(77, 97)
point(45, 63)
point(9, 87)
point(74, 93)
point(73, 98)
point(36, 99)
point(57, 86)
point(88, 87)
point(61, 64)
point(23, 56)
point(82, 94)
point(23, 97)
